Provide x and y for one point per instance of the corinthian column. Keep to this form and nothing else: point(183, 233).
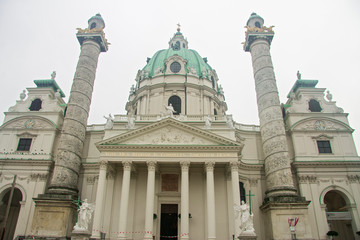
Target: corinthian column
point(124, 199)
point(150, 195)
point(68, 157)
point(99, 206)
point(184, 199)
point(279, 180)
point(210, 198)
point(235, 193)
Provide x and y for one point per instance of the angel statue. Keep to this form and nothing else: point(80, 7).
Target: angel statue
point(85, 212)
point(109, 121)
point(246, 219)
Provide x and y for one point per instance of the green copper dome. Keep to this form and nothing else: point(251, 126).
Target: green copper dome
point(194, 60)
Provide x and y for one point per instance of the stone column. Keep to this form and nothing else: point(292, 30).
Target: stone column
point(124, 199)
point(99, 206)
point(279, 180)
point(210, 197)
point(68, 157)
point(184, 199)
point(150, 195)
point(235, 194)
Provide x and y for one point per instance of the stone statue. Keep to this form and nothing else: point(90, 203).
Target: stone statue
point(53, 75)
point(246, 219)
point(132, 89)
point(298, 74)
point(57, 94)
point(131, 122)
point(110, 122)
point(23, 95)
point(208, 121)
point(229, 122)
point(221, 90)
point(170, 110)
point(85, 212)
point(328, 96)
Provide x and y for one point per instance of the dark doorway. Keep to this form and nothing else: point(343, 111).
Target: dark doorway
point(12, 218)
point(169, 221)
point(338, 215)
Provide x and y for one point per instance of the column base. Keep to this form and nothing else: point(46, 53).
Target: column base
point(54, 216)
point(279, 209)
point(80, 235)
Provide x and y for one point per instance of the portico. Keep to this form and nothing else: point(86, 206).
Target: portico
point(184, 175)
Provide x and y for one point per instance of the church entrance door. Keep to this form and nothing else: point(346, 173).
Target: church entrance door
point(169, 221)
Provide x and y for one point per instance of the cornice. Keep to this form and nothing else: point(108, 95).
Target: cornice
point(330, 164)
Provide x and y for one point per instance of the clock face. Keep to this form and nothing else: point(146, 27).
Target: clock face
point(29, 123)
point(320, 125)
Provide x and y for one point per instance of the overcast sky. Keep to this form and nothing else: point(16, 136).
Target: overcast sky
point(319, 38)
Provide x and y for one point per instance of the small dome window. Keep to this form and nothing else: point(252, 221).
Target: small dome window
point(257, 24)
point(93, 25)
point(175, 67)
point(213, 81)
point(314, 106)
point(35, 105)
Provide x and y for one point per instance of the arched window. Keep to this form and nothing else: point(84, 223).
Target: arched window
point(93, 25)
point(213, 81)
point(35, 105)
point(215, 112)
point(257, 24)
point(314, 106)
point(242, 192)
point(176, 103)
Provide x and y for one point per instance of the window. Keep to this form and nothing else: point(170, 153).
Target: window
point(24, 144)
point(35, 105)
point(215, 112)
point(176, 103)
point(242, 192)
point(175, 67)
point(324, 146)
point(314, 106)
point(257, 24)
point(213, 81)
point(93, 25)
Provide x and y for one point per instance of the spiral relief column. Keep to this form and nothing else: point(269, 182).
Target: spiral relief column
point(281, 199)
point(279, 180)
point(68, 157)
point(55, 211)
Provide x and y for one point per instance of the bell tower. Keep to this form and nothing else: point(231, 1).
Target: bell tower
point(281, 199)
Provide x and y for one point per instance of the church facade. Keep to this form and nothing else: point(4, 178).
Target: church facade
point(176, 166)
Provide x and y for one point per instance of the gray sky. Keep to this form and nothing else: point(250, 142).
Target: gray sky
point(319, 38)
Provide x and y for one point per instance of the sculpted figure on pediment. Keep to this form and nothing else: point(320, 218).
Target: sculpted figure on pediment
point(168, 135)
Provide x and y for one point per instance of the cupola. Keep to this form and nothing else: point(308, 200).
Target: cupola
point(255, 21)
point(96, 22)
point(178, 41)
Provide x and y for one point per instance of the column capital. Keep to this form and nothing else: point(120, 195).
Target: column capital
point(151, 165)
point(103, 164)
point(209, 165)
point(184, 165)
point(234, 165)
point(127, 165)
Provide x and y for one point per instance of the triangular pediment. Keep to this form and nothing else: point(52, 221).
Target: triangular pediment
point(168, 132)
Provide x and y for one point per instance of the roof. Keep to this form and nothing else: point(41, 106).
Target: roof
point(49, 83)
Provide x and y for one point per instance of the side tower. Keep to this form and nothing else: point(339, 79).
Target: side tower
point(281, 192)
point(63, 187)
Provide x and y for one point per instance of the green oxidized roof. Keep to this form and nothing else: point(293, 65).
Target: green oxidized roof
point(49, 83)
point(194, 60)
